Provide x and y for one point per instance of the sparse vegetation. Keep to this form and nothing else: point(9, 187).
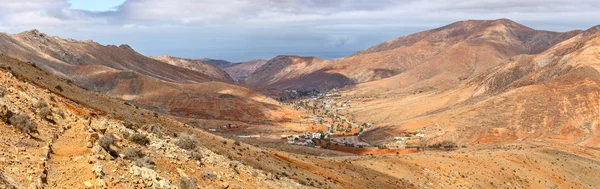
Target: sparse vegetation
point(154, 128)
point(186, 141)
point(23, 123)
point(2, 91)
point(188, 183)
point(140, 139)
point(196, 155)
point(58, 88)
point(130, 125)
point(146, 162)
point(209, 176)
point(108, 141)
point(46, 114)
point(41, 104)
point(224, 96)
point(133, 154)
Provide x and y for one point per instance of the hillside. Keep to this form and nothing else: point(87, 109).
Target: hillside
point(218, 63)
point(433, 59)
point(548, 97)
point(295, 72)
point(55, 154)
point(122, 72)
point(196, 65)
point(240, 71)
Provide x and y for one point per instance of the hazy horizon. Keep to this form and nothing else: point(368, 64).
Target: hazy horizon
point(242, 30)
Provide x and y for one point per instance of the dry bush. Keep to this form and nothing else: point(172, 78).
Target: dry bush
point(46, 114)
point(145, 162)
point(5, 114)
point(41, 104)
point(23, 123)
point(188, 183)
point(186, 141)
point(155, 128)
point(140, 139)
point(107, 140)
point(196, 155)
point(2, 91)
point(131, 125)
point(209, 176)
point(133, 154)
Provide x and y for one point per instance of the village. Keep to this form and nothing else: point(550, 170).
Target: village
point(339, 128)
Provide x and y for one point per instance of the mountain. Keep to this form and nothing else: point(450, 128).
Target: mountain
point(218, 63)
point(122, 72)
point(57, 134)
point(196, 65)
point(295, 72)
point(240, 71)
point(436, 58)
point(551, 97)
point(66, 56)
point(88, 140)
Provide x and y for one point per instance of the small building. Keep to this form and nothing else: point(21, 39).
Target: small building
point(317, 135)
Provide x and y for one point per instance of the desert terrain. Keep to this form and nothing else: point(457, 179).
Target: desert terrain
point(473, 104)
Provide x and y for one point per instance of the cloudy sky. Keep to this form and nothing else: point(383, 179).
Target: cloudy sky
point(238, 30)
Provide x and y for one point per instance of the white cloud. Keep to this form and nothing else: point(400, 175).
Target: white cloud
point(310, 24)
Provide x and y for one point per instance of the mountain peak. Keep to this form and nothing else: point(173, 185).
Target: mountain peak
point(33, 33)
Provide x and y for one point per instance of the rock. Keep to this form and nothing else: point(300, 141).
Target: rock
point(90, 145)
point(100, 183)
point(225, 185)
point(92, 160)
point(97, 169)
point(88, 184)
point(209, 176)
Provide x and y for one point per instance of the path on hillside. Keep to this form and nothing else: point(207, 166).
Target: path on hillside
point(68, 166)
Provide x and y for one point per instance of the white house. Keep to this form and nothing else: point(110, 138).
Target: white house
point(317, 135)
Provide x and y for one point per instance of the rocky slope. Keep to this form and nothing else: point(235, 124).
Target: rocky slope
point(218, 63)
point(122, 72)
point(437, 58)
point(295, 72)
point(240, 71)
point(66, 148)
point(195, 65)
point(89, 140)
point(551, 97)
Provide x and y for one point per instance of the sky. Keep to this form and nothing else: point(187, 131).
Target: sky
point(239, 30)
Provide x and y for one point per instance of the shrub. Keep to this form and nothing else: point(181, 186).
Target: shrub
point(5, 114)
point(107, 140)
point(156, 129)
point(186, 141)
point(41, 104)
point(58, 88)
point(130, 125)
point(140, 139)
point(133, 154)
point(224, 96)
point(195, 155)
point(46, 113)
point(23, 123)
point(188, 183)
point(209, 176)
point(145, 162)
point(2, 91)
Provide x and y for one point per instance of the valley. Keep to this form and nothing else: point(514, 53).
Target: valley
point(473, 104)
